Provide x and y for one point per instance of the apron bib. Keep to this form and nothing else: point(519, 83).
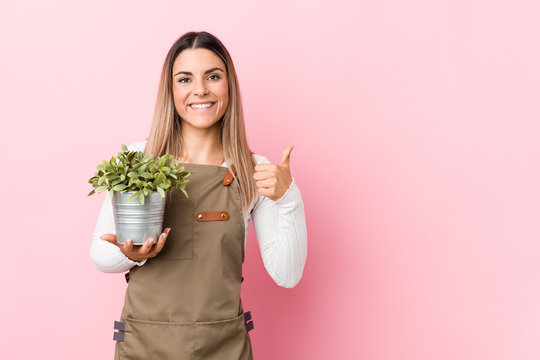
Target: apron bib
point(185, 302)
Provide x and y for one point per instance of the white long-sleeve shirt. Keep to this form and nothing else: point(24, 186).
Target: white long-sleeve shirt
point(280, 227)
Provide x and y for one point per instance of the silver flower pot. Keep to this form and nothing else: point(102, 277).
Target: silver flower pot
point(136, 221)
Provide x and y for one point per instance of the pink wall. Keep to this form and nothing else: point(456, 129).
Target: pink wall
point(415, 127)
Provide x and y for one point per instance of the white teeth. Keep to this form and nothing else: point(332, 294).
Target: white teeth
point(201, 106)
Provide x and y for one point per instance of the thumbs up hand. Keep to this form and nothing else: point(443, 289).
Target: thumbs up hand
point(273, 180)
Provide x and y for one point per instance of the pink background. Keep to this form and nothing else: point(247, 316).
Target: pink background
point(415, 127)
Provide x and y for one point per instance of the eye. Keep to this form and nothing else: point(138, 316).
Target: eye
point(216, 77)
point(182, 80)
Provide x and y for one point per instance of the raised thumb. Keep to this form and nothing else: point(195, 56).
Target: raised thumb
point(286, 157)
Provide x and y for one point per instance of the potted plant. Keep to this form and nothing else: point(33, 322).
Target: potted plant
point(132, 175)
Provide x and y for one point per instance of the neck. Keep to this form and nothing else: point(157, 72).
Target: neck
point(201, 146)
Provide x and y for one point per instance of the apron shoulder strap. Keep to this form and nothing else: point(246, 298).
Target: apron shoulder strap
point(227, 180)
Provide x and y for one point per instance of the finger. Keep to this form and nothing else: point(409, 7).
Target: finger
point(263, 175)
point(264, 192)
point(286, 157)
point(128, 245)
point(268, 183)
point(145, 248)
point(265, 167)
point(109, 238)
point(161, 242)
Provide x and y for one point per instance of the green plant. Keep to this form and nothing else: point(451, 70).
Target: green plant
point(144, 174)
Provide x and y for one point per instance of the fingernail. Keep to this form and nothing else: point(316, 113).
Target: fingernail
point(167, 230)
point(129, 241)
point(149, 241)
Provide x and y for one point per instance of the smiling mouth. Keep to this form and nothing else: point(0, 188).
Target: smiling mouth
point(202, 106)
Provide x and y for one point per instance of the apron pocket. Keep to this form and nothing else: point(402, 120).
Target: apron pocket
point(225, 339)
point(146, 340)
point(208, 340)
point(179, 217)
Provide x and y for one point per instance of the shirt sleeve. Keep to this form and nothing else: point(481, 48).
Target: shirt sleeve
point(280, 227)
point(106, 256)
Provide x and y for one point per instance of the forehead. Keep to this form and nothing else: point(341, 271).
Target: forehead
point(197, 60)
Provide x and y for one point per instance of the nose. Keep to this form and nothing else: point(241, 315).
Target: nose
point(200, 89)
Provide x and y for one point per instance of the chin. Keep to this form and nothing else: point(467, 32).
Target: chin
point(201, 124)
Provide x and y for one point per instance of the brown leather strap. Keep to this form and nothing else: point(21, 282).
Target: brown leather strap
point(227, 180)
point(212, 216)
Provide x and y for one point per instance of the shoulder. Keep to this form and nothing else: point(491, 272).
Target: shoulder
point(137, 146)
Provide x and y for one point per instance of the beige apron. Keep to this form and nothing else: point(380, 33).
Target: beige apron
point(185, 302)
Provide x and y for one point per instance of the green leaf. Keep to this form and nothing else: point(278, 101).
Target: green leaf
point(124, 148)
point(111, 193)
point(141, 197)
point(147, 158)
point(133, 196)
point(161, 178)
point(167, 184)
point(101, 189)
point(119, 187)
point(94, 191)
point(185, 193)
point(160, 191)
point(161, 162)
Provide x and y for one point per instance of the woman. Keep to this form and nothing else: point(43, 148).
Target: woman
point(183, 295)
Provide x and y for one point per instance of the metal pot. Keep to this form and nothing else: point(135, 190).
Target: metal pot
point(136, 221)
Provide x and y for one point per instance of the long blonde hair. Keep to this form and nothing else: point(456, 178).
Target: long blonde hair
point(166, 132)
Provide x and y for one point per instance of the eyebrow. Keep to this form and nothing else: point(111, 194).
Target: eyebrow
point(206, 72)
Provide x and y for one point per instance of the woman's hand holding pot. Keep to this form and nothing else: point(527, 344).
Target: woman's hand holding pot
point(139, 252)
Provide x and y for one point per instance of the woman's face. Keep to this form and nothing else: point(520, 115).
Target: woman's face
point(200, 87)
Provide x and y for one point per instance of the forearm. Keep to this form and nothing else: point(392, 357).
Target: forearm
point(281, 231)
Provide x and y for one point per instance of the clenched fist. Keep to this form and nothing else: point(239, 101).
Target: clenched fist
point(273, 180)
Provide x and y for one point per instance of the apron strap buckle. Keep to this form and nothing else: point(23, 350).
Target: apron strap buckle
point(121, 327)
point(249, 324)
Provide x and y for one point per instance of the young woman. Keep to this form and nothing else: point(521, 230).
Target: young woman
point(183, 295)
